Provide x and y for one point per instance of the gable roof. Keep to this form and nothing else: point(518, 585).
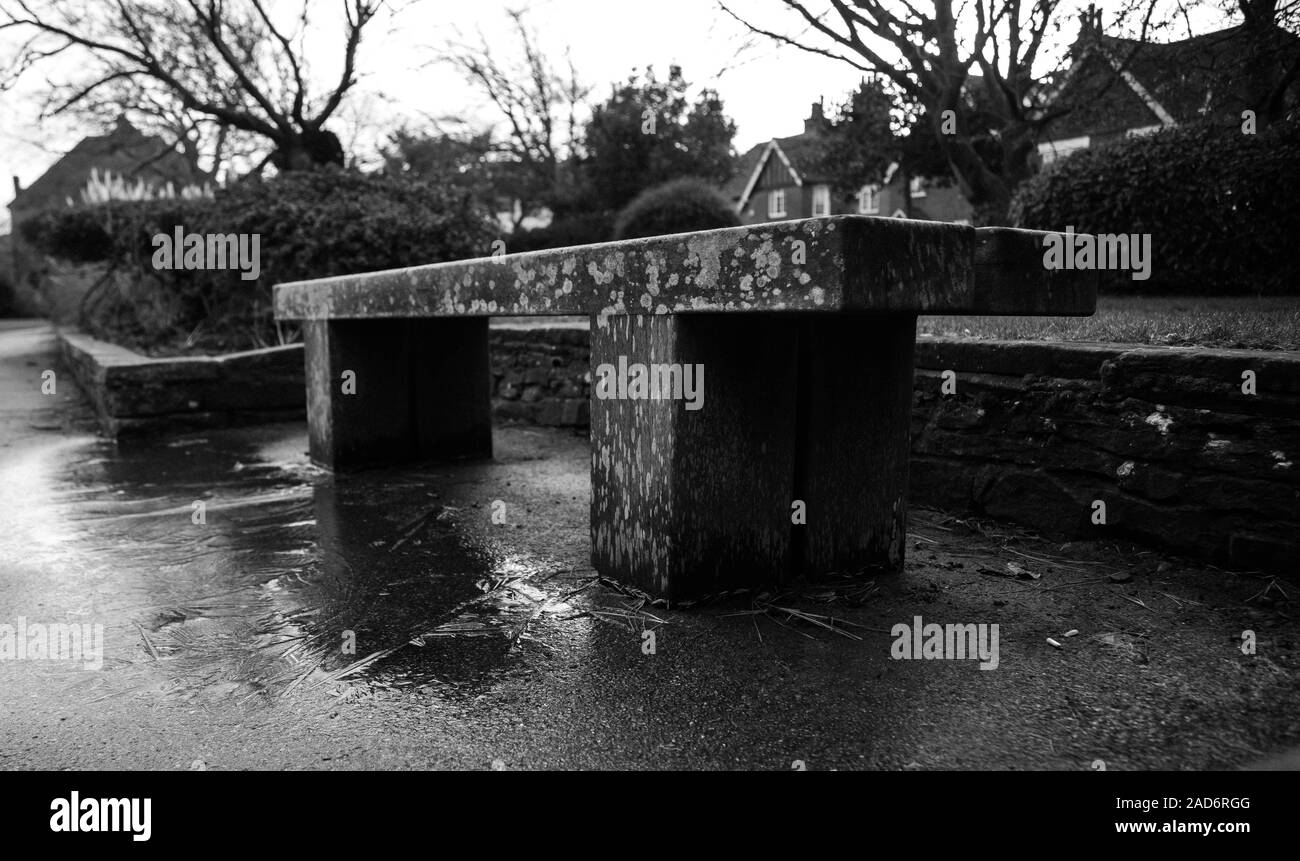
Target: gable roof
point(124, 150)
point(1159, 83)
point(800, 153)
point(744, 171)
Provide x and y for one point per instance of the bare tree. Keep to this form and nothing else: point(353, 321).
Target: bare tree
point(215, 148)
point(214, 67)
point(539, 106)
point(936, 57)
point(1272, 64)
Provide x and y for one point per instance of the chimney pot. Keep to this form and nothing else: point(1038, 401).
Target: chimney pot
point(816, 118)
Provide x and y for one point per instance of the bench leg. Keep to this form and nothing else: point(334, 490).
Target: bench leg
point(689, 502)
point(855, 393)
point(418, 390)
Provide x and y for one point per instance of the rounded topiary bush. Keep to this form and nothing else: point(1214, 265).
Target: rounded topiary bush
point(1219, 205)
point(679, 206)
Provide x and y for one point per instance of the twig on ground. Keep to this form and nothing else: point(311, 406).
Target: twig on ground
point(1047, 560)
point(1141, 604)
point(148, 644)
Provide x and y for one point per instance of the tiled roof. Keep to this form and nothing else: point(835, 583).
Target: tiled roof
point(801, 150)
point(125, 151)
point(744, 169)
point(804, 153)
point(1184, 78)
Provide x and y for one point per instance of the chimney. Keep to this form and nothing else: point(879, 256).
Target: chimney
point(816, 119)
point(18, 186)
point(1090, 21)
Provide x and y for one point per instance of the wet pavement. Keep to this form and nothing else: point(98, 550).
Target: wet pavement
point(260, 613)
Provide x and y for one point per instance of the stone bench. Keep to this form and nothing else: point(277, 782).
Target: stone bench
point(805, 331)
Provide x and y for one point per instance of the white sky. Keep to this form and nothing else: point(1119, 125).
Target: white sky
point(766, 88)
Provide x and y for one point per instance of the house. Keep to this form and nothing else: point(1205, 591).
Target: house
point(1119, 88)
point(780, 180)
point(925, 198)
point(124, 151)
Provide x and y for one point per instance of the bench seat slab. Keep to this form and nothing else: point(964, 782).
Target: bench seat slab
point(394, 391)
point(812, 265)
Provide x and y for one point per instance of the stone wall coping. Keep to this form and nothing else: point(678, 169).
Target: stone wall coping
point(131, 392)
point(114, 362)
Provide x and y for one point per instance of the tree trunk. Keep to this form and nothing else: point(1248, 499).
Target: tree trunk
point(990, 195)
point(308, 149)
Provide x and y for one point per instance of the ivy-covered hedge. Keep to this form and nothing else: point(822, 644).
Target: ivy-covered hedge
point(311, 225)
point(1220, 205)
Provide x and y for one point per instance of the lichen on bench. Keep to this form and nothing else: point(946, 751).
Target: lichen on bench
point(797, 462)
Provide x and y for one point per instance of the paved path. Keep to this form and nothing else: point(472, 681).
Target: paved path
point(224, 639)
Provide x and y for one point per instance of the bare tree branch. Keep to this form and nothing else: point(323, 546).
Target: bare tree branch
point(226, 60)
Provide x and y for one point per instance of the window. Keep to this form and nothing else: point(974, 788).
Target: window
point(1051, 151)
point(821, 202)
point(917, 187)
point(776, 203)
point(869, 200)
point(1142, 131)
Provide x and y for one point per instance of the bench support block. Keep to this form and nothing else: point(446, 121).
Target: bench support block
point(855, 392)
point(816, 409)
point(418, 390)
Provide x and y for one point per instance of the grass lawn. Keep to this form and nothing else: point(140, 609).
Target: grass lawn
point(1267, 323)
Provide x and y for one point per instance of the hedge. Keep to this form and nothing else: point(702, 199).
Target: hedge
point(1220, 205)
point(311, 224)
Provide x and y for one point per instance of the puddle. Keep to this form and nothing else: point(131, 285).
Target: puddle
point(249, 574)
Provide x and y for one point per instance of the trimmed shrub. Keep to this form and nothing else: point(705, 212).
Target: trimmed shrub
point(679, 206)
point(1220, 206)
point(312, 224)
point(80, 235)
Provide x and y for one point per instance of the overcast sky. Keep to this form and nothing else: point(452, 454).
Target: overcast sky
point(767, 89)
